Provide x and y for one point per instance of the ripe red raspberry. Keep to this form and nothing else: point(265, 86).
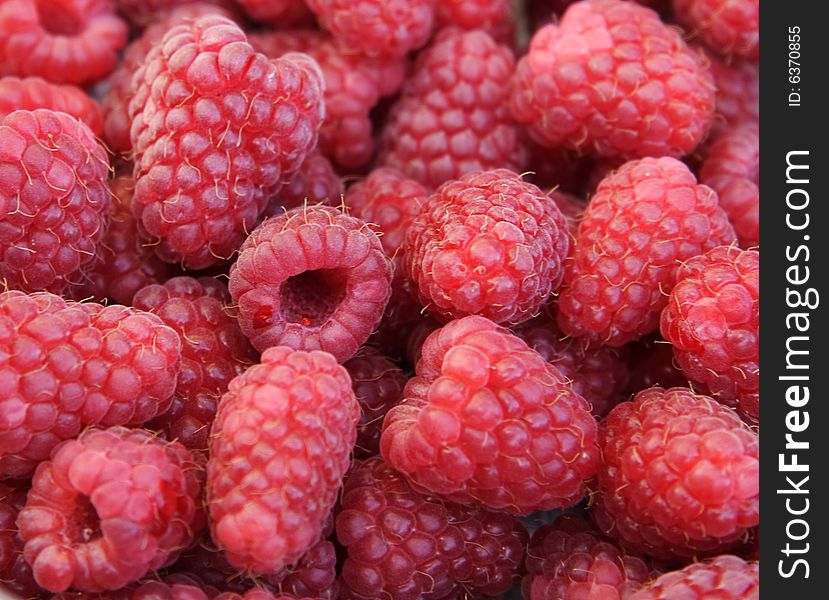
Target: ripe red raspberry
point(281, 14)
point(15, 573)
point(30, 93)
point(713, 322)
point(652, 363)
point(279, 448)
point(213, 351)
point(216, 128)
point(403, 544)
point(313, 576)
point(493, 16)
point(644, 220)
point(726, 578)
point(109, 507)
point(569, 560)
point(389, 28)
point(54, 199)
point(417, 337)
point(378, 385)
point(312, 279)
point(612, 79)
point(729, 27)
point(488, 243)
point(63, 41)
point(732, 169)
point(65, 365)
point(453, 117)
point(316, 182)
point(738, 92)
point(150, 590)
point(487, 420)
point(679, 477)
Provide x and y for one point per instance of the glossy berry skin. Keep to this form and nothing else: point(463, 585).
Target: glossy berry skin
point(404, 544)
point(15, 573)
point(612, 79)
point(493, 16)
point(279, 448)
point(679, 477)
point(63, 41)
point(452, 117)
point(54, 199)
point(729, 27)
point(726, 577)
point(216, 128)
point(107, 508)
point(489, 244)
point(487, 420)
point(64, 366)
point(31, 93)
point(644, 220)
point(570, 560)
point(316, 182)
point(313, 279)
point(713, 322)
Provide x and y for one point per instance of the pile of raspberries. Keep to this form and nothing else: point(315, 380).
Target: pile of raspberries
point(379, 299)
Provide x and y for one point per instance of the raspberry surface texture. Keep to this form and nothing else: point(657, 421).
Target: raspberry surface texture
point(148, 12)
point(31, 93)
point(216, 127)
point(279, 448)
point(312, 279)
point(725, 577)
point(149, 590)
point(679, 477)
point(493, 16)
point(316, 182)
point(15, 573)
point(279, 13)
point(486, 420)
point(738, 92)
point(644, 220)
point(612, 79)
point(729, 27)
point(403, 544)
point(107, 508)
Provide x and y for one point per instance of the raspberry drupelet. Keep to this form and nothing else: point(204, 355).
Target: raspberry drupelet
point(680, 476)
point(729, 27)
point(612, 79)
point(108, 507)
point(279, 448)
point(738, 92)
point(487, 420)
point(316, 182)
point(644, 220)
point(313, 279)
point(493, 16)
point(282, 14)
point(403, 544)
point(54, 199)
point(31, 93)
point(148, 590)
point(725, 577)
point(216, 128)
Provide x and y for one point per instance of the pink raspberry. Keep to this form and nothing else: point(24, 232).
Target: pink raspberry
point(726, 577)
point(493, 16)
point(729, 27)
point(54, 199)
point(713, 322)
point(279, 449)
point(679, 477)
point(486, 420)
point(403, 544)
point(312, 279)
point(738, 92)
point(109, 507)
point(65, 365)
point(453, 117)
point(30, 93)
point(644, 220)
point(279, 13)
point(488, 243)
point(216, 128)
point(147, 12)
point(377, 27)
point(213, 351)
point(316, 182)
point(63, 41)
point(612, 79)
point(15, 573)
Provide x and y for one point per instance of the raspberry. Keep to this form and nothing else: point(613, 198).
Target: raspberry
point(313, 576)
point(255, 594)
point(732, 169)
point(213, 351)
point(15, 572)
point(726, 577)
point(493, 16)
point(568, 560)
point(417, 336)
point(279, 13)
point(713, 322)
point(738, 92)
point(644, 220)
point(63, 41)
point(487, 420)
point(151, 590)
point(279, 448)
point(54, 199)
point(452, 117)
point(312, 279)
point(679, 477)
point(107, 508)
point(205, 566)
point(148, 12)
point(216, 128)
point(488, 244)
point(612, 79)
point(402, 316)
point(403, 544)
point(652, 363)
point(572, 208)
point(388, 28)
point(378, 385)
point(65, 365)
point(316, 182)
point(31, 93)
point(730, 27)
